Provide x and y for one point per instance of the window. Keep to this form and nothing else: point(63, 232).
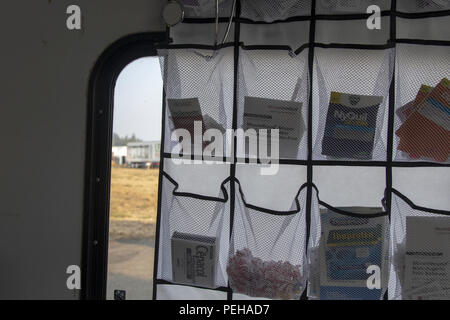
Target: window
point(134, 184)
point(136, 107)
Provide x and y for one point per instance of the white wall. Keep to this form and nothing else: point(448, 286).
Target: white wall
point(43, 88)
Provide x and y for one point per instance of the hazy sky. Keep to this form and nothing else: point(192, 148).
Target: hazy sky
point(138, 100)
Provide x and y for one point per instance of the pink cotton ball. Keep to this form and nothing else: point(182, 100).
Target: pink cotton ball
point(272, 279)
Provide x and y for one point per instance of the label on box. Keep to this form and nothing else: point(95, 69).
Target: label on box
point(286, 116)
point(350, 125)
point(194, 259)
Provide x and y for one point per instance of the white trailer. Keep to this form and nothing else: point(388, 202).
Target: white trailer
point(143, 154)
point(119, 154)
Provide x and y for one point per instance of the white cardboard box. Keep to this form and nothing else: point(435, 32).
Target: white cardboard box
point(194, 259)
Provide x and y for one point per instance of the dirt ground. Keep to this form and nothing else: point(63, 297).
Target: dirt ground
point(131, 229)
point(130, 268)
point(133, 206)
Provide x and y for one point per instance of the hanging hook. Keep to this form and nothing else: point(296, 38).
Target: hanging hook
point(216, 33)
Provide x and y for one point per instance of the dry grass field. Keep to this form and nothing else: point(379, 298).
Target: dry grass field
point(133, 204)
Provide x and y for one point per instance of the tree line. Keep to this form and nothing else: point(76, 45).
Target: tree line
point(119, 141)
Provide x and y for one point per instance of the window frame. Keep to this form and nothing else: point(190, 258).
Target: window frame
point(99, 127)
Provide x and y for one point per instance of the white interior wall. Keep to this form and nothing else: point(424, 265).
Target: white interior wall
point(44, 82)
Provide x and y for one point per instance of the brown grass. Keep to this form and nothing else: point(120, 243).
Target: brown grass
point(134, 194)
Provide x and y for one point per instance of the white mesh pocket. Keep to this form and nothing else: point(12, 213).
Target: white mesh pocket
point(197, 218)
point(205, 78)
point(277, 82)
point(350, 102)
point(349, 6)
point(412, 6)
point(267, 255)
point(420, 70)
point(269, 11)
point(348, 249)
point(399, 286)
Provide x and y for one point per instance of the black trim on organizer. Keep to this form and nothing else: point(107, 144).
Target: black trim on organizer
point(353, 214)
point(391, 117)
point(387, 201)
point(244, 20)
point(270, 211)
point(223, 159)
point(287, 20)
point(299, 18)
point(347, 163)
point(195, 46)
point(423, 42)
point(369, 163)
point(416, 207)
point(415, 164)
point(165, 282)
point(336, 17)
point(384, 13)
point(230, 44)
point(301, 48)
point(266, 162)
point(160, 179)
point(98, 155)
point(347, 213)
point(350, 16)
point(309, 174)
point(388, 45)
point(266, 47)
point(260, 161)
point(198, 196)
point(273, 47)
point(237, 35)
point(421, 15)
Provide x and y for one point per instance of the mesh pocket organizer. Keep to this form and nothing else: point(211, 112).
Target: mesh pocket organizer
point(200, 81)
point(353, 88)
point(270, 11)
point(413, 6)
point(349, 6)
point(417, 262)
point(293, 34)
point(200, 225)
point(273, 93)
point(422, 122)
point(342, 102)
point(267, 253)
point(348, 252)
